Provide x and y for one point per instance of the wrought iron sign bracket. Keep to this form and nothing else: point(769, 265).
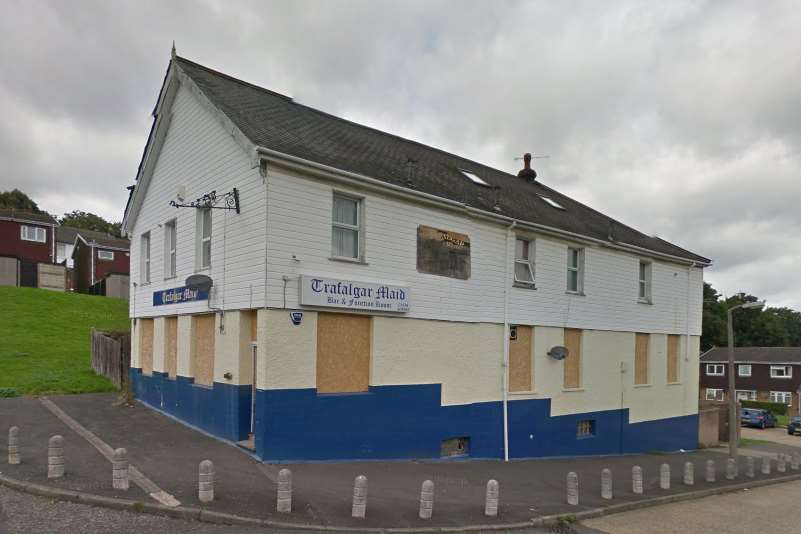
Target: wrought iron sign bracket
point(209, 201)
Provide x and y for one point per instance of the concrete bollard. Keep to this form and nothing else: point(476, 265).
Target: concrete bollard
point(13, 446)
point(359, 509)
point(636, 480)
point(572, 488)
point(689, 473)
point(765, 465)
point(749, 467)
point(283, 503)
point(119, 470)
point(731, 469)
point(491, 504)
point(664, 476)
point(205, 481)
point(55, 457)
point(606, 483)
point(781, 464)
point(710, 470)
point(427, 500)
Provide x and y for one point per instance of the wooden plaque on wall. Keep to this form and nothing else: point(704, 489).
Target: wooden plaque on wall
point(443, 253)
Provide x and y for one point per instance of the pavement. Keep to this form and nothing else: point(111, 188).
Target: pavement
point(765, 509)
point(168, 452)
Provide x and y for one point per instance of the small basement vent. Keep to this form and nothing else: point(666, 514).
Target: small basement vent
point(454, 447)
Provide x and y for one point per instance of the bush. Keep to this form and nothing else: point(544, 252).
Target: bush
point(777, 408)
point(6, 393)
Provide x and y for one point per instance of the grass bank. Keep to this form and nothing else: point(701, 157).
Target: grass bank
point(44, 339)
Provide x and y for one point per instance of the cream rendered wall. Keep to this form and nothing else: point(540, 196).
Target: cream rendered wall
point(159, 344)
point(232, 349)
point(287, 353)
point(201, 155)
point(466, 358)
point(185, 345)
point(299, 215)
point(135, 362)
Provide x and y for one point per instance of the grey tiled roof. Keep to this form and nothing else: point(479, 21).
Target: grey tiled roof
point(26, 215)
point(754, 354)
point(103, 239)
point(276, 122)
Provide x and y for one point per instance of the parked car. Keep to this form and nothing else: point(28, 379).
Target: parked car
point(757, 417)
point(794, 426)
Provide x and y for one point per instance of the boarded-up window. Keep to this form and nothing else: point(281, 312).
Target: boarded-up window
point(442, 252)
point(343, 353)
point(572, 363)
point(641, 359)
point(520, 364)
point(673, 359)
point(171, 346)
point(146, 345)
point(203, 358)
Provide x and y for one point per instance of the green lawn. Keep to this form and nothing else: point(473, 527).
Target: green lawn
point(44, 339)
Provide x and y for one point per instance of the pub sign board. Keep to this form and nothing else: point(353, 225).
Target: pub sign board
point(178, 295)
point(443, 252)
point(351, 295)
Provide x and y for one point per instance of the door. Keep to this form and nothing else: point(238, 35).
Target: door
point(28, 274)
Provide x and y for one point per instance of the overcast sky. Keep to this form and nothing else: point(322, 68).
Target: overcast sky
point(682, 119)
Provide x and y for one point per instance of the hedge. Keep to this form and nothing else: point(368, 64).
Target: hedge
point(777, 408)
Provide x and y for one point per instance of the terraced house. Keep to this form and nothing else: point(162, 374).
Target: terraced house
point(336, 292)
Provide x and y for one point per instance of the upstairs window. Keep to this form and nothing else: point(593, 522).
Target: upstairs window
point(346, 227)
point(714, 369)
point(145, 251)
point(33, 233)
point(744, 370)
point(781, 371)
point(575, 270)
point(645, 281)
point(105, 255)
point(204, 239)
point(524, 262)
point(169, 249)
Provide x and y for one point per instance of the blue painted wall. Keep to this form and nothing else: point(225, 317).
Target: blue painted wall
point(391, 422)
point(222, 410)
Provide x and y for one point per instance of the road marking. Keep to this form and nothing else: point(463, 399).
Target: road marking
point(138, 478)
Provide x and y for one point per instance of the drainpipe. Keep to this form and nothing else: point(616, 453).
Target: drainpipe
point(505, 381)
point(92, 274)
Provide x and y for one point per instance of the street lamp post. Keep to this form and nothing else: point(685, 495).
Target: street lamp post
point(733, 426)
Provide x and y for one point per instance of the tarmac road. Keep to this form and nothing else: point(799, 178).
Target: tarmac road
point(765, 509)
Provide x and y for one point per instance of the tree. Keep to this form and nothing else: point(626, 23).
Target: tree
point(19, 200)
point(90, 221)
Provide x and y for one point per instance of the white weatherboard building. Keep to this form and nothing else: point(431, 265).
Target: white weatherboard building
point(373, 297)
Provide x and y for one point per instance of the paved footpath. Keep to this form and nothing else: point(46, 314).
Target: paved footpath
point(765, 509)
point(168, 453)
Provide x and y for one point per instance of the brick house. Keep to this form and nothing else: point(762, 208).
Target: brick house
point(96, 256)
point(26, 240)
point(761, 373)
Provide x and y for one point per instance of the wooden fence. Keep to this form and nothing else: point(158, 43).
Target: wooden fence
point(111, 355)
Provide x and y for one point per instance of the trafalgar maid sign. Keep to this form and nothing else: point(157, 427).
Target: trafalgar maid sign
point(336, 293)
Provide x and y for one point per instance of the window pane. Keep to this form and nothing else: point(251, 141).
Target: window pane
point(643, 271)
point(572, 280)
point(523, 272)
point(521, 249)
point(205, 259)
point(573, 258)
point(346, 210)
point(206, 219)
point(346, 243)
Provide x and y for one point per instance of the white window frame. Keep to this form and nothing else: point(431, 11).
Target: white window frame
point(203, 239)
point(645, 286)
point(61, 252)
point(774, 397)
point(578, 269)
point(358, 227)
point(712, 369)
point(528, 262)
point(101, 253)
point(144, 250)
point(741, 367)
point(787, 371)
point(746, 394)
point(716, 394)
point(39, 233)
point(170, 248)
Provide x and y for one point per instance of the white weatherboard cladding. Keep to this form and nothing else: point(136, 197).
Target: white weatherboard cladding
point(300, 226)
point(198, 153)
